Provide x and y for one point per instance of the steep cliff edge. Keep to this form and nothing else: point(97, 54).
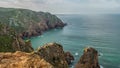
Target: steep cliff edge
point(29, 23)
point(89, 59)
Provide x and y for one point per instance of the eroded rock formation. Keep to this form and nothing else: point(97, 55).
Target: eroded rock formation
point(89, 59)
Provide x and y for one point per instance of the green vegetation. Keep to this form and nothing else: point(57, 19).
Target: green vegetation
point(6, 38)
point(6, 44)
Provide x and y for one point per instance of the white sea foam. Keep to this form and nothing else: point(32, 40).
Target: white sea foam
point(76, 54)
point(101, 54)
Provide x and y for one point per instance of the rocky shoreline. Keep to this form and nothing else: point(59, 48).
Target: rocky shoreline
point(50, 55)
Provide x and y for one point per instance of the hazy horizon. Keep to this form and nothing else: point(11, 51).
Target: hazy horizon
point(65, 6)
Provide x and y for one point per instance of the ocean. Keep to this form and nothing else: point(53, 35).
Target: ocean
point(100, 31)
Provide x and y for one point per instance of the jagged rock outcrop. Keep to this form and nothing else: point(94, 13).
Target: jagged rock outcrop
point(54, 54)
point(11, 42)
point(23, 60)
point(29, 23)
point(89, 59)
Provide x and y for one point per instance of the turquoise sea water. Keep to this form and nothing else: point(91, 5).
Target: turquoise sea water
point(99, 31)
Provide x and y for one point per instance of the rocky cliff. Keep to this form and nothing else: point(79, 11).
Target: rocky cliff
point(89, 59)
point(50, 55)
point(29, 23)
point(11, 42)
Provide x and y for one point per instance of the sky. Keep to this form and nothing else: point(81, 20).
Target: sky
point(65, 6)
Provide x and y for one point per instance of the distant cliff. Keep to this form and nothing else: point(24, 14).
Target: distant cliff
point(29, 23)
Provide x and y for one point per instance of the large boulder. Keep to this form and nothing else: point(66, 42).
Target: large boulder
point(89, 59)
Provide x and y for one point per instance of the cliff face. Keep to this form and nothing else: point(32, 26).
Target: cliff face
point(10, 41)
point(29, 23)
point(89, 59)
point(48, 56)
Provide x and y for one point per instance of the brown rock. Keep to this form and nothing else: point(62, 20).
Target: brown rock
point(54, 54)
point(89, 59)
point(69, 57)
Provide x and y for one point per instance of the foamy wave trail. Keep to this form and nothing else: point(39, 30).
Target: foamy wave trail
point(100, 54)
point(76, 54)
